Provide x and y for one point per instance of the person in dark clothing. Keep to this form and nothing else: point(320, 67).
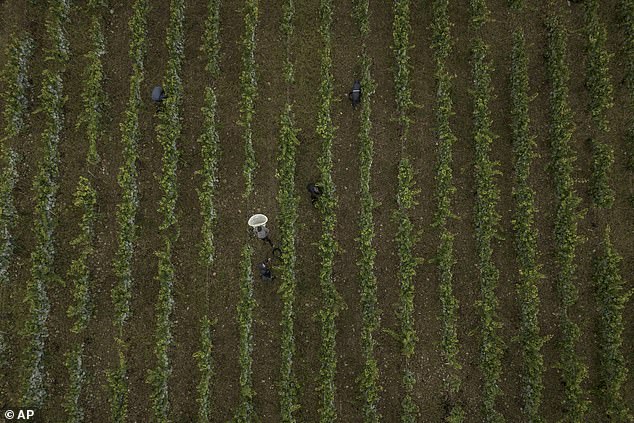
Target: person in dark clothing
point(265, 270)
point(315, 192)
point(355, 94)
point(158, 95)
point(262, 232)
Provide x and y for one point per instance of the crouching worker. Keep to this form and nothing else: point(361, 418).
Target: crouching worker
point(315, 192)
point(265, 271)
point(355, 94)
point(158, 95)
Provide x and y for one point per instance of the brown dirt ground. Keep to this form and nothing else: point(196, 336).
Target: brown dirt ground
point(190, 304)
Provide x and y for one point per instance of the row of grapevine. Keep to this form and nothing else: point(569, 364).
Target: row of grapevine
point(245, 412)
point(601, 91)
point(15, 77)
point(405, 239)
point(598, 79)
point(205, 364)
point(327, 206)
point(627, 10)
point(612, 298)
point(248, 91)
point(126, 213)
point(627, 7)
point(210, 151)
point(45, 187)
point(287, 229)
point(450, 348)
point(93, 95)
point(479, 13)
point(526, 234)
point(370, 313)
point(400, 33)
point(486, 216)
point(287, 200)
point(80, 311)
point(611, 295)
point(600, 187)
point(80, 274)
point(405, 236)
point(168, 133)
point(573, 371)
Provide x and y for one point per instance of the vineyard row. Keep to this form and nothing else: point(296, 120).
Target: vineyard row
point(45, 186)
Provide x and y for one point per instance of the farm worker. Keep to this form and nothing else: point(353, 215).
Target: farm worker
point(262, 232)
point(265, 270)
point(355, 94)
point(315, 192)
point(158, 95)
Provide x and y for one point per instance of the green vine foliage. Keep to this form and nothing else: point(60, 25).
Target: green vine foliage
point(210, 152)
point(526, 235)
point(601, 93)
point(441, 45)
point(74, 364)
point(598, 78)
point(405, 240)
point(370, 312)
point(204, 361)
point(573, 371)
point(85, 199)
point(627, 11)
point(248, 90)
point(81, 309)
point(612, 298)
point(245, 412)
point(405, 237)
point(126, 213)
point(327, 205)
point(287, 29)
point(629, 142)
point(158, 377)
point(209, 139)
point(58, 50)
point(480, 13)
point(16, 102)
point(168, 131)
point(602, 160)
point(93, 94)
point(288, 202)
point(211, 39)
point(361, 15)
point(486, 221)
point(45, 187)
point(400, 32)
point(79, 272)
point(15, 78)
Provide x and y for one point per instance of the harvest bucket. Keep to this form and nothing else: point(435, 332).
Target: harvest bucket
point(257, 220)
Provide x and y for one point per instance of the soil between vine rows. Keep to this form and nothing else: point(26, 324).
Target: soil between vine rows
point(190, 304)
